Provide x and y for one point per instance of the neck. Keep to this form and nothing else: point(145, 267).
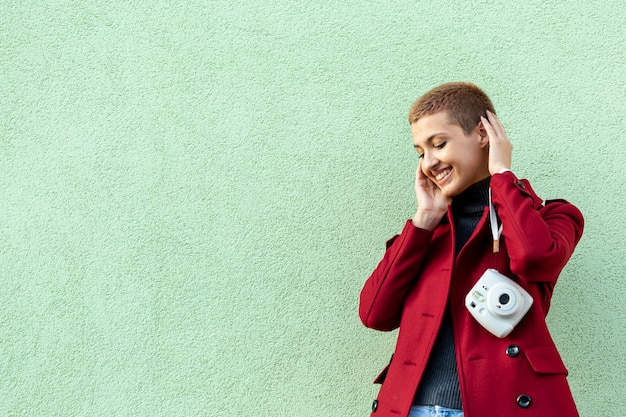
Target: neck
point(474, 199)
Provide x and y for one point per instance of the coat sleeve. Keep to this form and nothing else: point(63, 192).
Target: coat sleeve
point(540, 239)
point(383, 294)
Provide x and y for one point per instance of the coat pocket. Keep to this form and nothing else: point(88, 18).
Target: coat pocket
point(546, 360)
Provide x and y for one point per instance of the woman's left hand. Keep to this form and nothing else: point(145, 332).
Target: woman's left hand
point(500, 147)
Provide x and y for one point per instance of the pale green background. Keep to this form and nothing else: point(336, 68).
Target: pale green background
point(193, 193)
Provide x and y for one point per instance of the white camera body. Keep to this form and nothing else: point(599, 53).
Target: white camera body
point(498, 303)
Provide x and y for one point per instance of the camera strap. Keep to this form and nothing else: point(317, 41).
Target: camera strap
point(495, 230)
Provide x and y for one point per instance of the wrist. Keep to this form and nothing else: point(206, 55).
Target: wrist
point(427, 220)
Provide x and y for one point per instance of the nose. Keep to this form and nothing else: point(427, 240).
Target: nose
point(429, 161)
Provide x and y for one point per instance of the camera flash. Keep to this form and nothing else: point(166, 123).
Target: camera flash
point(477, 295)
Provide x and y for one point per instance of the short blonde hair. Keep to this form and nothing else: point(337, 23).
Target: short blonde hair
point(464, 102)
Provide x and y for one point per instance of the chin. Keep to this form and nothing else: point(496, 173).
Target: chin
point(449, 192)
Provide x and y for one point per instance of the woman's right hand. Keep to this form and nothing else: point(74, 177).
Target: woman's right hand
point(432, 205)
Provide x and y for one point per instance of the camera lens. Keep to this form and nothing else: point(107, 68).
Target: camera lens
point(504, 299)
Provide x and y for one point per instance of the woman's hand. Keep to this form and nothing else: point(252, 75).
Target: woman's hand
point(500, 147)
point(431, 204)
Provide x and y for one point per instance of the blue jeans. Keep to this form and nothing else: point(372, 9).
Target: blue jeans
point(434, 411)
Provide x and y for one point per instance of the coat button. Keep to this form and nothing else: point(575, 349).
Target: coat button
point(512, 350)
point(375, 405)
point(523, 401)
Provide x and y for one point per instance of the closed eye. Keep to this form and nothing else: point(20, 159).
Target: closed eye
point(438, 146)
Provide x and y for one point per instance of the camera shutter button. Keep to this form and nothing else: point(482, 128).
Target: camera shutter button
point(512, 350)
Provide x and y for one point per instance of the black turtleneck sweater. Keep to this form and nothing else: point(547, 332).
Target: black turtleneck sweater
point(440, 383)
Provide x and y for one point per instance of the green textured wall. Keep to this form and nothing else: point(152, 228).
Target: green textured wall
point(194, 192)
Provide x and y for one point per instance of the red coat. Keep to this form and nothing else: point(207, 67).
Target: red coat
point(519, 375)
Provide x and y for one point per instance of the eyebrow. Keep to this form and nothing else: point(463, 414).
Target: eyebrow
point(431, 138)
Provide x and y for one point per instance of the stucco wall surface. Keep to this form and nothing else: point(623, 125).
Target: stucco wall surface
point(193, 192)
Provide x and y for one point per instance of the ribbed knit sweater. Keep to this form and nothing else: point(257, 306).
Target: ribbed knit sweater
point(440, 383)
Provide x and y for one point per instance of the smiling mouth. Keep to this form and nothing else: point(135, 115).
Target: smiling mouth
point(443, 175)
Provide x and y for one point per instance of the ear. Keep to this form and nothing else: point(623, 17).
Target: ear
point(482, 135)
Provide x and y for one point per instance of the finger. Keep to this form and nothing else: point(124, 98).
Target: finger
point(491, 133)
point(418, 171)
point(419, 175)
point(497, 124)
